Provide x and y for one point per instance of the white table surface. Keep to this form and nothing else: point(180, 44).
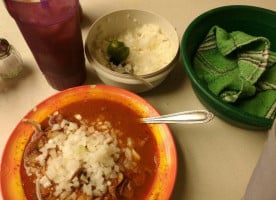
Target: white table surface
point(215, 160)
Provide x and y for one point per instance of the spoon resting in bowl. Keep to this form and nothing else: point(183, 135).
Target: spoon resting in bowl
point(185, 117)
point(118, 53)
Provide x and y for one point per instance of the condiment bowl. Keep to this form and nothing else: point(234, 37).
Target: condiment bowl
point(86, 101)
point(115, 23)
point(251, 20)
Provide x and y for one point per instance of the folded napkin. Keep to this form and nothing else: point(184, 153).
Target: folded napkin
point(262, 183)
point(240, 69)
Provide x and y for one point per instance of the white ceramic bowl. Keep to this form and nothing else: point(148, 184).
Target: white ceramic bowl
point(114, 23)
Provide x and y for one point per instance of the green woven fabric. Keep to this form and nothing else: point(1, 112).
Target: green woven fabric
point(240, 69)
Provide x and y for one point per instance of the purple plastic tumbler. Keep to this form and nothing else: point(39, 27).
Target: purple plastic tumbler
point(51, 29)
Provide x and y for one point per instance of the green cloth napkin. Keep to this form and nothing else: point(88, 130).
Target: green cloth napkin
point(240, 69)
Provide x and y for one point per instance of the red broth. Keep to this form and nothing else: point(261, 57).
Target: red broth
point(122, 118)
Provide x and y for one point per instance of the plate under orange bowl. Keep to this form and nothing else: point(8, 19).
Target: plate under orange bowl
point(11, 185)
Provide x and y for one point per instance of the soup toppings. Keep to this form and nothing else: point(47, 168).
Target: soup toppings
point(82, 159)
point(117, 52)
point(150, 49)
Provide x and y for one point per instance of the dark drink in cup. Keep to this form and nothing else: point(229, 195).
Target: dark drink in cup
point(51, 29)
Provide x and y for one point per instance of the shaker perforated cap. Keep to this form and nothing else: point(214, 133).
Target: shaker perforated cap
point(4, 47)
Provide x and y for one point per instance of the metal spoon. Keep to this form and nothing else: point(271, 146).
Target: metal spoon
point(186, 117)
point(144, 81)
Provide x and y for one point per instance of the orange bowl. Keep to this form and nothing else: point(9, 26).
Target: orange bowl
point(164, 178)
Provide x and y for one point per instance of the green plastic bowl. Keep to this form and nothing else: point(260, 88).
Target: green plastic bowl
point(249, 19)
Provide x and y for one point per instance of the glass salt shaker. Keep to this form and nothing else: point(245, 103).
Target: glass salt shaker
point(10, 60)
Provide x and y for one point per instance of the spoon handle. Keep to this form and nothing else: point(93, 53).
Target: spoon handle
point(185, 117)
